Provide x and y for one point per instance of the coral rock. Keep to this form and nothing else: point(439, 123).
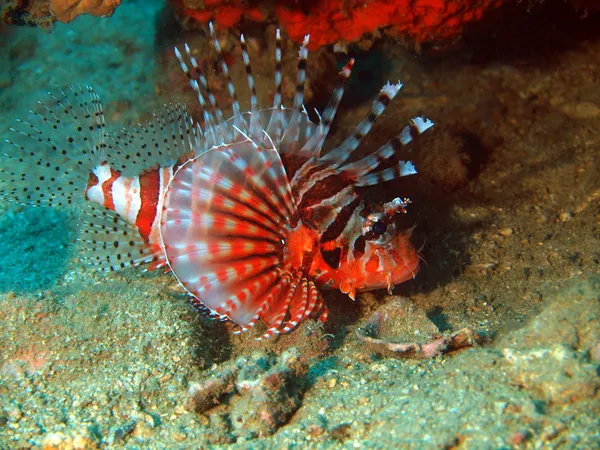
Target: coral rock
point(263, 392)
point(270, 397)
point(66, 10)
point(335, 21)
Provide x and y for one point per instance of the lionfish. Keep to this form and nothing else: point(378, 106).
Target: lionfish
point(245, 212)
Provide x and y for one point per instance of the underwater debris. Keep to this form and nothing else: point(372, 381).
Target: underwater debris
point(438, 345)
point(379, 336)
point(346, 21)
point(261, 392)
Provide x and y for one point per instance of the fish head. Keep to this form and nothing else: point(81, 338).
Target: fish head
point(375, 252)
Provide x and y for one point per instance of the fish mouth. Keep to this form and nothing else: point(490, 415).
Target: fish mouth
point(406, 260)
point(402, 264)
point(406, 263)
point(403, 273)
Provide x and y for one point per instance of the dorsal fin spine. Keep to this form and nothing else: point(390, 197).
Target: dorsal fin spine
point(292, 130)
point(255, 125)
point(211, 98)
point(274, 128)
point(238, 119)
point(315, 143)
point(341, 153)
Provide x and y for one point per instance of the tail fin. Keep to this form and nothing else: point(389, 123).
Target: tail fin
point(51, 151)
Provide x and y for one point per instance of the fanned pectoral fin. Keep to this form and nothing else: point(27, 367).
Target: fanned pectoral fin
point(223, 228)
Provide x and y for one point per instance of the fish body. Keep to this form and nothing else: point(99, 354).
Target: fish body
point(247, 214)
point(139, 200)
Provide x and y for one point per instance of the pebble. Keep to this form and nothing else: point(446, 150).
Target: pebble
point(142, 430)
point(581, 110)
point(565, 216)
point(179, 435)
point(595, 352)
point(505, 231)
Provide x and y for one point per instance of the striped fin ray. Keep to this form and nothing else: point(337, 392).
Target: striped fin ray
point(238, 119)
point(112, 243)
point(169, 136)
point(361, 169)
point(269, 182)
point(272, 295)
point(223, 229)
point(211, 98)
point(274, 186)
point(238, 213)
point(299, 300)
point(275, 311)
point(255, 130)
point(293, 128)
point(402, 169)
point(51, 151)
point(340, 154)
point(212, 133)
point(315, 143)
point(303, 305)
point(274, 128)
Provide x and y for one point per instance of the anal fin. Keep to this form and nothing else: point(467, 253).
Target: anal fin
point(111, 243)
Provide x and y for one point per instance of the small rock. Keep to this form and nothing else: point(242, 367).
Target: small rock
point(505, 231)
point(267, 391)
point(341, 432)
point(203, 396)
point(595, 351)
point(143, 429)
point(581, 110)
point(179, 435)
point(565, 216)
point(553, 373)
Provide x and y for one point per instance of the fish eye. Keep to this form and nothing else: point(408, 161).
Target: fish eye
point(376, 230)
point(379, 228)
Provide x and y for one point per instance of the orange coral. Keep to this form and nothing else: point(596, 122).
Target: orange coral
point(66, 10)
point(330, 21)
point(225, 13)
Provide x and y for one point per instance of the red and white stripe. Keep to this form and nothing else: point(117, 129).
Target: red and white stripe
point(139, 200)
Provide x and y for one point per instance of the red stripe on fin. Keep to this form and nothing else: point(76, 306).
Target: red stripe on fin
point(223, 229)
point(275, 312)
point(107, 187)
point(149, 196)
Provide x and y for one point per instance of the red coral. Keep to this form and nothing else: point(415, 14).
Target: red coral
point(330, 21)
point(226, 13)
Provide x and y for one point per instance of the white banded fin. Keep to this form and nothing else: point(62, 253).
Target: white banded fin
point(340, 154)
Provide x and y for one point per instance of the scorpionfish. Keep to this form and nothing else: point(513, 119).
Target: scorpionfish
point(246, 213)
